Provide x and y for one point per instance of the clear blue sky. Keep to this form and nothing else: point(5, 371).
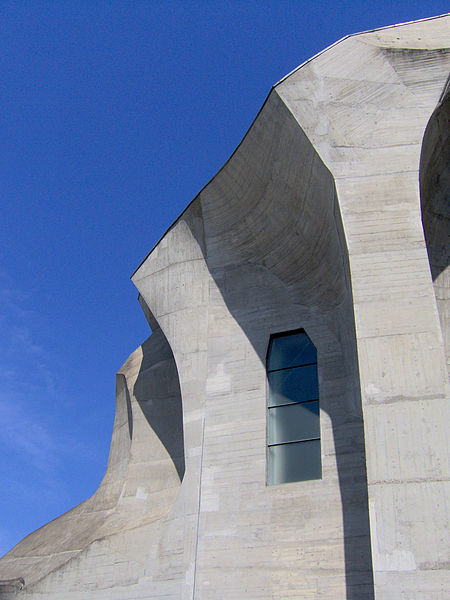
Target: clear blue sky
point(113, 116)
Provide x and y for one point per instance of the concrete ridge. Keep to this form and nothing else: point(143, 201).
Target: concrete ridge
point(272, 89)
point(351, 35)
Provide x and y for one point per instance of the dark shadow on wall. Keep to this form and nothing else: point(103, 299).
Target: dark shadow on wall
point(157, 390)
point(273, 241)
point(435, 186)
point(435, 205)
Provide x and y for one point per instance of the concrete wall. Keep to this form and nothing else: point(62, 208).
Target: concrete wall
point(365, 105)
point(120, 539)
point(262, 250)
point(314, 222)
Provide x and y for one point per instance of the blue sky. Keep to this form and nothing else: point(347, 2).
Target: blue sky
point(113, 116)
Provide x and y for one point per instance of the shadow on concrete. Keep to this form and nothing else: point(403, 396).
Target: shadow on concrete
point(338, 375)
point(275, 247)
point(157, 390)
point(435, 185)
point(435, 205)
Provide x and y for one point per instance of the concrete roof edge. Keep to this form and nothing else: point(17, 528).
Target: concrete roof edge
point(204, 187)
point(346, 37)
point(258, 113)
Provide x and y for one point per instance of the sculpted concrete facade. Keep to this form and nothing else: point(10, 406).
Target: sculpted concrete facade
point(331, 216)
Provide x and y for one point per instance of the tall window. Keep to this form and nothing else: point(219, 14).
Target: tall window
point(293, 409)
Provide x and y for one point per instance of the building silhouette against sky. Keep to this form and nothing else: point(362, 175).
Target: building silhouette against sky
point(283, 431)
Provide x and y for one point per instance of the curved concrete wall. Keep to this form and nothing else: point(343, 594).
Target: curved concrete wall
point(102, 544)
point(262, 250)
point(314, 222)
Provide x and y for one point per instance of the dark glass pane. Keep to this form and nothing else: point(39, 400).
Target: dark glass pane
point(290, 351)
point(294, 422)
point(294, 462)
point(293, 385)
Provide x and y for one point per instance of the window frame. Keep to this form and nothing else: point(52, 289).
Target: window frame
point(270, 406)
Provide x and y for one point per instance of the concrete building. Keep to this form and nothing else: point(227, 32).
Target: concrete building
point(319, 252)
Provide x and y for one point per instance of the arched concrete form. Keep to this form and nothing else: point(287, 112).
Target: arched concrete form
point(102, 541)
point(312, 225)
point(262, 250)
point(435, 202)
